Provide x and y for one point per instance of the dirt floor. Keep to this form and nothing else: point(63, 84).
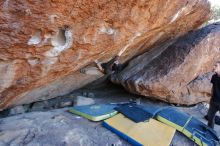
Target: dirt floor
point(59, 127)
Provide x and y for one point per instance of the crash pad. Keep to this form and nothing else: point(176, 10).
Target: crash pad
point(194, 129)
point(134, 112)
point(149, 133)
point(94, 112)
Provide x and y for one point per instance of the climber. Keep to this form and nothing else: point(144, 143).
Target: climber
point(112, 66)
point(214, 106)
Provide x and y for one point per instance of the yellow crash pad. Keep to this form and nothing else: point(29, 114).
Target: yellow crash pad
point(149, 133)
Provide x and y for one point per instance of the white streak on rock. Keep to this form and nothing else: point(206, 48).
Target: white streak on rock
point(61, 41)
point(35, 39)
point(5, 5)
point(5, 10)
point(108, 30)
point(49, 61)
point(47, 64)
point(177, 14)
point(7, 74)
point(33, 62)
point(137, 34)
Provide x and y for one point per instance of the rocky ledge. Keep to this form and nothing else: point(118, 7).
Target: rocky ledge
point(178, 71)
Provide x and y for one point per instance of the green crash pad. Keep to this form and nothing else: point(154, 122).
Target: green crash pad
point(95, 112)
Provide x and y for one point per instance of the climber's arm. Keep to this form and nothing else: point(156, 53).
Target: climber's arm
point(107, 67)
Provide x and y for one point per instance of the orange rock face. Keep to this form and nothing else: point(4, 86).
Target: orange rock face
point(44, 42)
point(177, 71)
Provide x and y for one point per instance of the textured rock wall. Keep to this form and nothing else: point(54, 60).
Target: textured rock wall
point(177, 71)
point(44, 41)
